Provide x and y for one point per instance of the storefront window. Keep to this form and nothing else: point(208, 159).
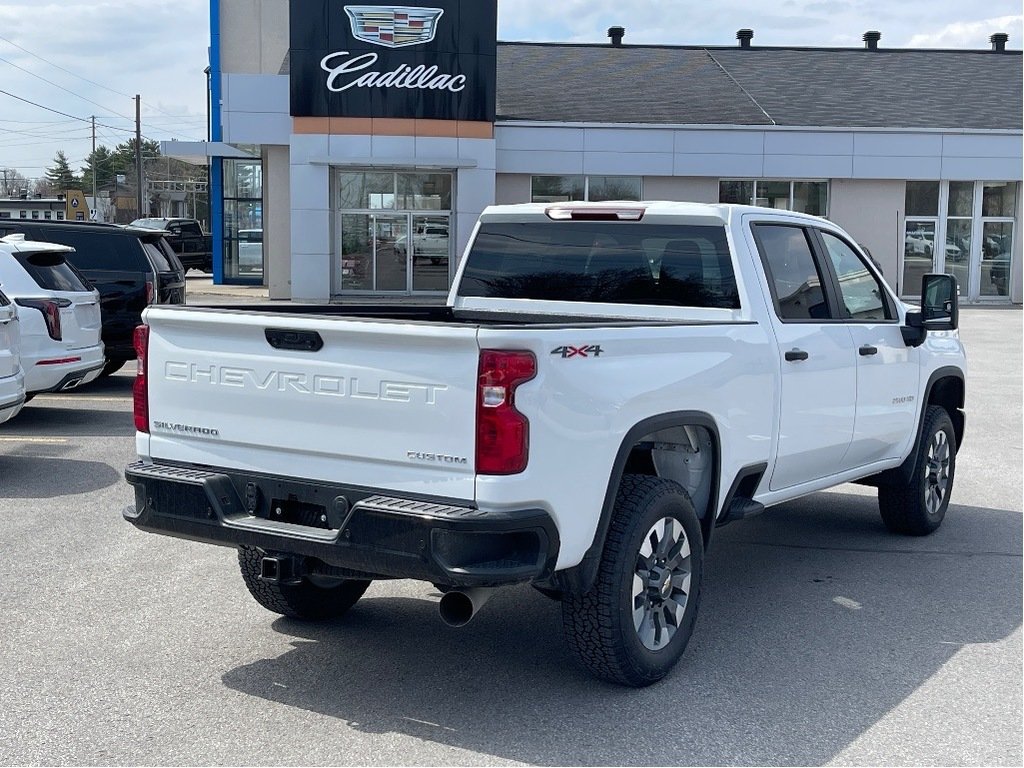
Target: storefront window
point(921, 226)
point(801, 196)
point(394, 230)
point(922, 198)
point(565, 189)
point(243, 219)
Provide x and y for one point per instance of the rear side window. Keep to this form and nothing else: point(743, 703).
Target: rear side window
point(157, 257)
point(50, 271)
point(605, 262)
point(110, 250)
point(792, 272)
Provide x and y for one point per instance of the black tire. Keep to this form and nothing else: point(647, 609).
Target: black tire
point(111, 367)
point(305, 600)
point(599, 625)
point(918, 508)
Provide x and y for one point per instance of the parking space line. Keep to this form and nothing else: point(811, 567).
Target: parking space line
point(44, 440)
point(86, 398)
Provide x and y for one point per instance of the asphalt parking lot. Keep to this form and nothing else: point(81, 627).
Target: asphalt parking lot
point(822, 639)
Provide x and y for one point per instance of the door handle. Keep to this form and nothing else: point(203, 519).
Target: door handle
point(794, 355)
point(868, 350)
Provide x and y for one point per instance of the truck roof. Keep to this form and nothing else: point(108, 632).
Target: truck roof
point(720, 211)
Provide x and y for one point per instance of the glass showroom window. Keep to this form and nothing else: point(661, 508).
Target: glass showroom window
point(564, 189)
point(243, 219)
point(920, 229)
point(801, 196)
point(394, 231)
point(998, 204)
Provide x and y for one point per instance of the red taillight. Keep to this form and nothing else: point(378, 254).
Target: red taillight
point(502, 432)
point(51, 313)
point(140, 389)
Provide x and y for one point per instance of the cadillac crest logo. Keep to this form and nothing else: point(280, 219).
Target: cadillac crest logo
point(393, 26)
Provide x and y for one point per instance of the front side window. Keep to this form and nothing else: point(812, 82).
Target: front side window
point(862, 294)
point(796, 282)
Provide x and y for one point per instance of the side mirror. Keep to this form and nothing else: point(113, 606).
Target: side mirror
point(940, 309)
point(940, 306)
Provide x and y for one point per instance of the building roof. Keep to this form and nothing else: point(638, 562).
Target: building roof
point(827, 87)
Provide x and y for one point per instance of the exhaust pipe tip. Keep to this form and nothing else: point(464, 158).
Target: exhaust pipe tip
point(458, 607)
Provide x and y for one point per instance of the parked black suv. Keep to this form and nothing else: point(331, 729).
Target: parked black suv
point(130, 267)
point(186, 238)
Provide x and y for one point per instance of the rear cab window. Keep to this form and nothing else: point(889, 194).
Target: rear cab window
point(602, 262)
point(796, 283)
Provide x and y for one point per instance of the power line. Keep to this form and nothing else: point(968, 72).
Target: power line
point(61, 87)
point(75, 74)
point(65, 114)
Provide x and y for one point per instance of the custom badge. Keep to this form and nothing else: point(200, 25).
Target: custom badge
point(393, 26)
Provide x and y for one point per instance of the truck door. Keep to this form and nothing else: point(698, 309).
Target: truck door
point(888, 371)
point(817, 358)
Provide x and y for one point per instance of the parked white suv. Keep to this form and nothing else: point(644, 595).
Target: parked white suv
point(59, 315)
point(12, 380)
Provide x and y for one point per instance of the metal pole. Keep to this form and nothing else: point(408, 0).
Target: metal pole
point(95, 202)
point(138, 156)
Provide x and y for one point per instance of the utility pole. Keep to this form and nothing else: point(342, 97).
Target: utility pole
point(95, 203)
point(138, 157)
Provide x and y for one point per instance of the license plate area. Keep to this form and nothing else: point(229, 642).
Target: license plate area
point(297, 512)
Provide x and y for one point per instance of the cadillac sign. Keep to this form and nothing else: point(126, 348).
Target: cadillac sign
point(394, 26)
point(435, 61)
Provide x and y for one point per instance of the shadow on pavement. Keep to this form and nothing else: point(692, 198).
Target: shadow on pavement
point(21, 478)
point(815, 623)
point(41, 419)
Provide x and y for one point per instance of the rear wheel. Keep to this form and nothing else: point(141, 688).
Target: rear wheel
point(304, 600)
point(635, 622)
point(918, 508)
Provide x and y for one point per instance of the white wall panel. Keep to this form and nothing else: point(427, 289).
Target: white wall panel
point(308, 146)
point(719, 142)
point(807, 142)
point(973, 145)
point(255, 93)
point(628, 163)
point(474, 190)
point(897, 144)
point(516, 137)
point(981, 168)
point(905, 168)
point(808, 166)
point(311, 277)
point(539, 162)
point(718, 165)
point(256, 128)
point(341, 148)
point(628, 140)
point(480, 150)
point(310, 188)
point(432, 147)
point(311, 231)
point(388, 146)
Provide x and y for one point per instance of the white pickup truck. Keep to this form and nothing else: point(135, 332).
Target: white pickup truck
point(607, 384)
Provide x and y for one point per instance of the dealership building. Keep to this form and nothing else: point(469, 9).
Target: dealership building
point(360, 142)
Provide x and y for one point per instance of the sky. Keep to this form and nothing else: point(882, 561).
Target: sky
point(85, 59)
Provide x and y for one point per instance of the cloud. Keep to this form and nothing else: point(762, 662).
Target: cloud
point(968, 34)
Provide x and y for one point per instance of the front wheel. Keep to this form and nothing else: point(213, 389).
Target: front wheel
point(305, 600)
point(634, 623)
point(918, 508)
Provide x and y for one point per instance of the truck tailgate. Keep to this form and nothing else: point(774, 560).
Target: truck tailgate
point(238, 390)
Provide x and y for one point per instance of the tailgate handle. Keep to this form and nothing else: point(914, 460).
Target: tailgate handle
point(300, 341)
